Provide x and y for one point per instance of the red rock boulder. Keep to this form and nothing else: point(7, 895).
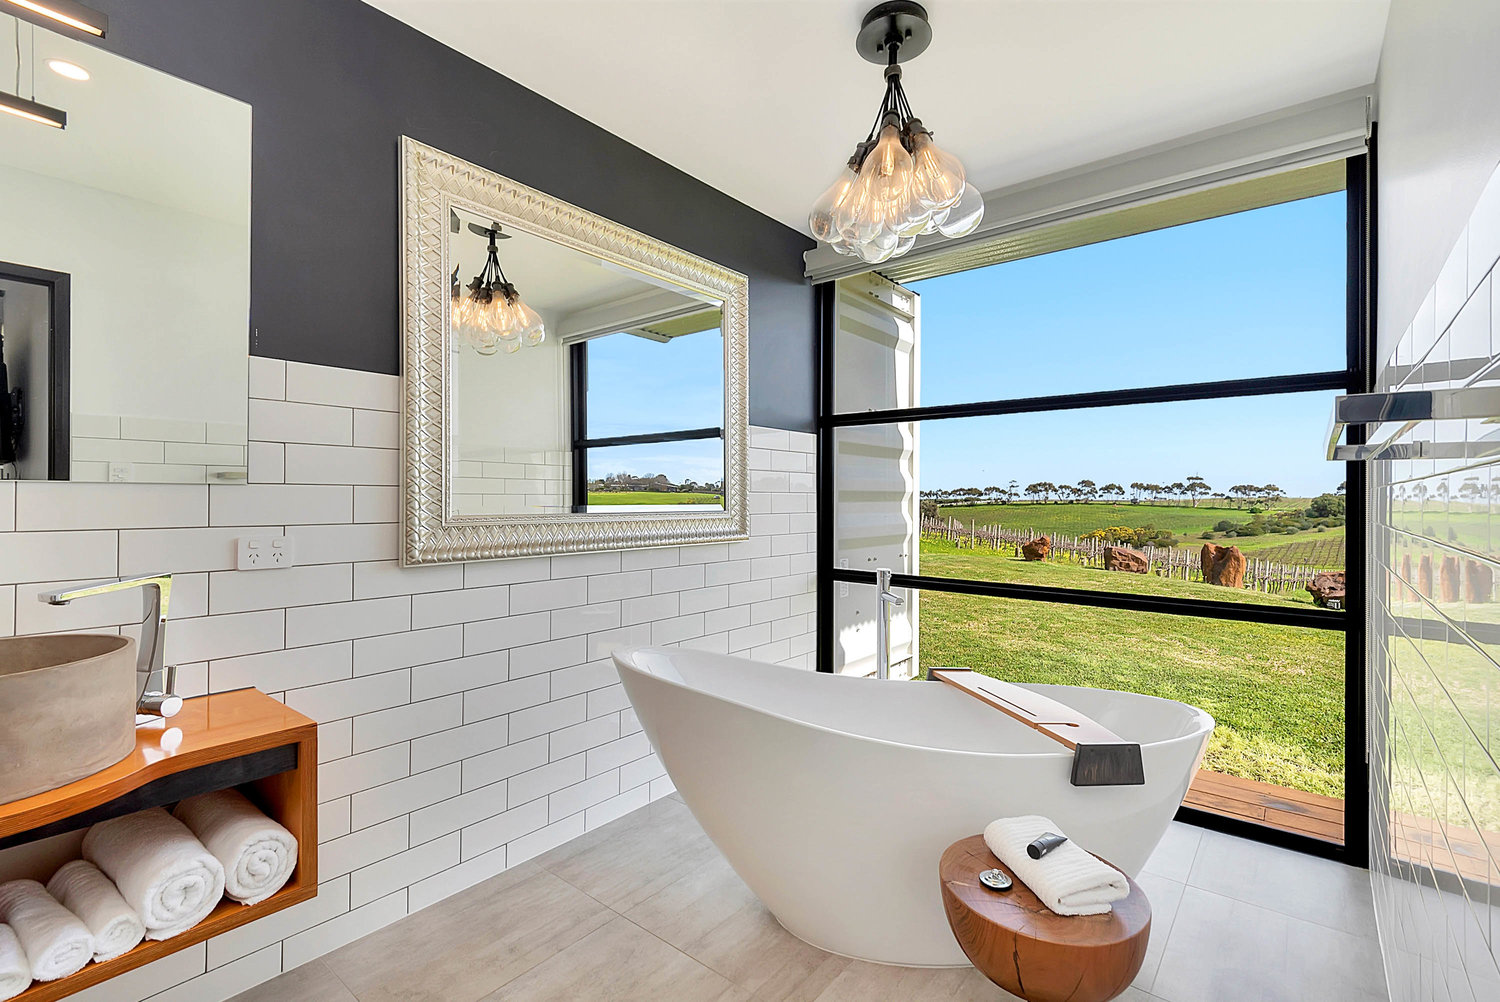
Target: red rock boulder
point(1223, 565)
point(1123, 558)
point(1037, 549)
point(1327, 585)
point(1479, 582)
point(1448, 575)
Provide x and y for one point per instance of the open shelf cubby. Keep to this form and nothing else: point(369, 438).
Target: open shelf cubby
point(242, 739)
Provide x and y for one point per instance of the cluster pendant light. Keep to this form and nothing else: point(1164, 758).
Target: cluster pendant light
point(490, 315)
point(898, 184)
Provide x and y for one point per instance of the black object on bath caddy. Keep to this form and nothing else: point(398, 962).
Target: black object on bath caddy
point(1044, 843)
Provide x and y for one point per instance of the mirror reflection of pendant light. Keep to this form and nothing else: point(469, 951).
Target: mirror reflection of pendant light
point(898, 184)
point(30, 110)
point(65, 12)
point(491, 315)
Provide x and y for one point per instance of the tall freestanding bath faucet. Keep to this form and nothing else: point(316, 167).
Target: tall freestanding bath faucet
point(884, 600)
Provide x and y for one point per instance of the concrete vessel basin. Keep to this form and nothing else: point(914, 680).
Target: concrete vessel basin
point(67, 709)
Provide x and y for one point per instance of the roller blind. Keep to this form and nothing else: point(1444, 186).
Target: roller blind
point(1290, 154)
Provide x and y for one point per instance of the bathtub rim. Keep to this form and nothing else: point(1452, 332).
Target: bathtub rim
point(623, 656)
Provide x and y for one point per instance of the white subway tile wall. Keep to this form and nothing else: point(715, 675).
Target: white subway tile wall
point(1435, 644)
point(155, 450)
point(469, 715)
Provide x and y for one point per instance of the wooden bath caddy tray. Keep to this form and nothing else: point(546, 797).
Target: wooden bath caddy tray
point(1100, 756)
point(241, 739)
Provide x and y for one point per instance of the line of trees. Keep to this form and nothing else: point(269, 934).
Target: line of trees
point(1192, 489)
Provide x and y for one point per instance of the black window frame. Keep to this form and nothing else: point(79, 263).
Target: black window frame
point(1356, 377)
point(578, 391)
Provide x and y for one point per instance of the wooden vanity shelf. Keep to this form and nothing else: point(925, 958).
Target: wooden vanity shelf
point(241, 739)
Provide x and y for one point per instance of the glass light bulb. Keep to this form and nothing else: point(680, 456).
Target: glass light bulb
point(965, 215)
point(938, 176)
point(853, 222)
point(937, 220)
point(821, 219)
point(887, 177)
point(531, 328)
point(905, 245)
point(504, 319)
point(511, 347)
point(874, 254)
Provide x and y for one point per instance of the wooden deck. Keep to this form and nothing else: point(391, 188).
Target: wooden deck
point(1275, 806)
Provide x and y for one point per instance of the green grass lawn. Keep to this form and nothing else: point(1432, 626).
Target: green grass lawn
point(1277, 693)
point(652, 497)
point(1185, 521)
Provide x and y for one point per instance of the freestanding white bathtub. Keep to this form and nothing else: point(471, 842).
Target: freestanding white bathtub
point(833, 797)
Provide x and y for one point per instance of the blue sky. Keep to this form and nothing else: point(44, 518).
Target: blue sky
point(1253, 294)
point(637, 385)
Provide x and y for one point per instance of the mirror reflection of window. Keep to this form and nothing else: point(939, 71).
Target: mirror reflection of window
point(619, 406)
point(654, 415)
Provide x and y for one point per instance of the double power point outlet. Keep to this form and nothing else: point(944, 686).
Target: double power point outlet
point(264, 553)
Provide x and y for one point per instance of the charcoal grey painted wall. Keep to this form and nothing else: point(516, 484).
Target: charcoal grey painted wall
point(335, 83)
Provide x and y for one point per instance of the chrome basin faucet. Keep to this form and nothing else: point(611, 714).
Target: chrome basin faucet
point(150, 659)
point(885, 599)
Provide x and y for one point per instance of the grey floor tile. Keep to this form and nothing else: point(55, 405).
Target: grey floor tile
point(466, 946)
point(862, 982)
point(1173, 857)
point(1164, 895)
point(627, 861)
point(1232, 951)
point(620, 962)
point(711, 916)
point(1293, 883)
point(312, 982)
point(645, 908)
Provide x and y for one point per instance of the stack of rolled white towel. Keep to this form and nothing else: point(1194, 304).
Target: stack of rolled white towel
point(146, 875)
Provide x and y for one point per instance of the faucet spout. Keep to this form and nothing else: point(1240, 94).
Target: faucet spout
point(151, 651)
point(885, 600)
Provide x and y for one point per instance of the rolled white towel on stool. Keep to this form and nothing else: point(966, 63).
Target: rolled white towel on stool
point(161, 870)
point(1067, 880)
point(257, 853)
point(15, 969)
point(86, 892)
point(56, 941)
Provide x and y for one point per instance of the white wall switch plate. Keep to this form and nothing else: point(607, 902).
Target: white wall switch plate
point(121, 473)
point(264, 553)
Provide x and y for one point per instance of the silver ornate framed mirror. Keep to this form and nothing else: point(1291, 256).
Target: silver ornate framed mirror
point(570, 384)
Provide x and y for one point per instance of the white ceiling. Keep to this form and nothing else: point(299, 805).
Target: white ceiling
point(764, 99)
point(131, 129)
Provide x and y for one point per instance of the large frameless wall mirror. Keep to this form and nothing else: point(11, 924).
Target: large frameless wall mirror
point(124, 269)
point(570, 384)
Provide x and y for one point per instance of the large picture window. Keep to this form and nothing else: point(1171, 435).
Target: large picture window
point(1101, 464)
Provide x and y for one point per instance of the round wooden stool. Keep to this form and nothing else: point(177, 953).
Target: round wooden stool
point(1020, 945)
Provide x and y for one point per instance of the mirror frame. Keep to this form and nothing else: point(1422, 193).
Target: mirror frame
point(433, 183)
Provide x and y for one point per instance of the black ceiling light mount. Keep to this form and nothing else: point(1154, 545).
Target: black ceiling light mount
point(900, 22)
